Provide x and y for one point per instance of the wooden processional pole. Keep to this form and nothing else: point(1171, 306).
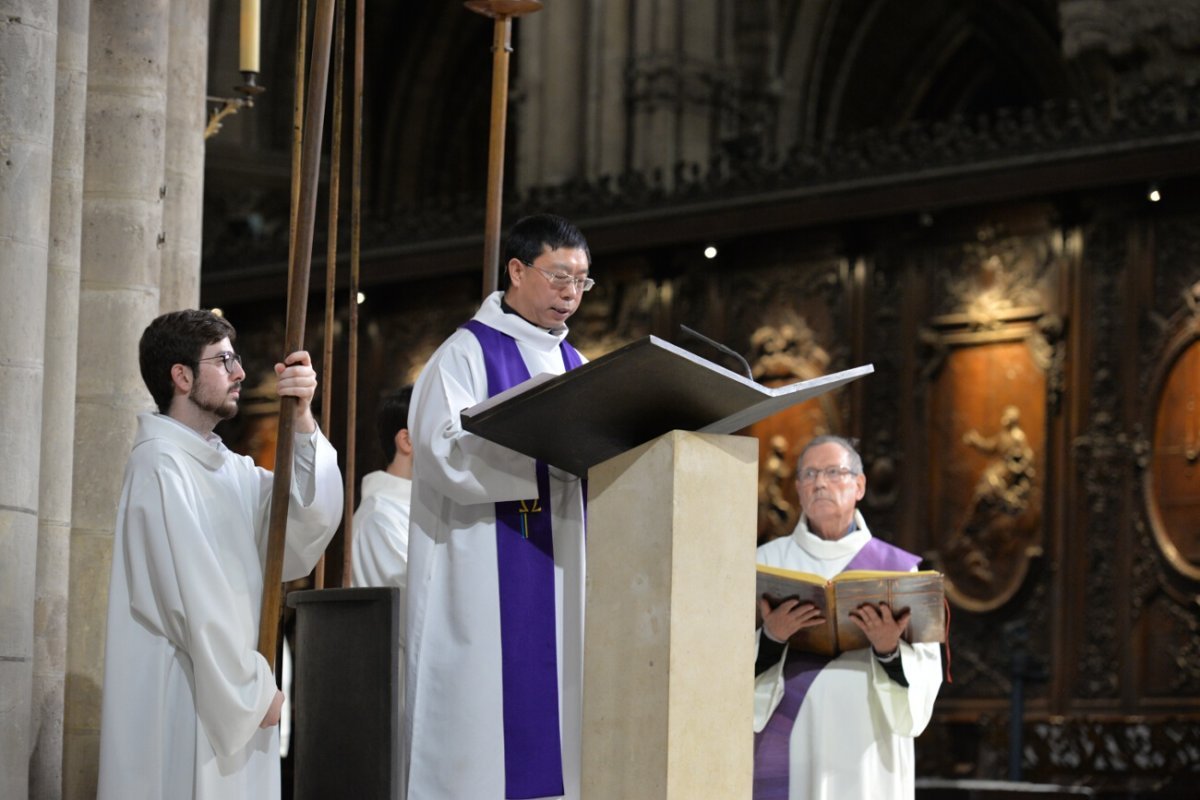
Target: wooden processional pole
point(502, 11)
point(306, 212)
point(335, 188)
point(355, 250)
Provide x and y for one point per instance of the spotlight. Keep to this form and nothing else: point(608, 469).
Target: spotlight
point(361, 298)
point(216, 312)
point(710, 251)
point(1153, 195)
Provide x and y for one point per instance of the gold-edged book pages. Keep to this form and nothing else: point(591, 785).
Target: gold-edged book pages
point(921, 593)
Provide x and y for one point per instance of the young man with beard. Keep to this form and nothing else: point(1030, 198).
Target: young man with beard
point(190, 709)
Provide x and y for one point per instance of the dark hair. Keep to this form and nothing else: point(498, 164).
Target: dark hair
point(391, 418)
point(529, 236)
point(848, 445)
point(177, 338)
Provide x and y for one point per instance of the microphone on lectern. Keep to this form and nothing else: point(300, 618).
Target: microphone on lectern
point(726, 350)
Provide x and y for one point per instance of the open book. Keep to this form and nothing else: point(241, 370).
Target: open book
point(921, 593)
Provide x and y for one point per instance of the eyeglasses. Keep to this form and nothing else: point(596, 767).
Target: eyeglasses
point(227, 358)
point(831, 474)
point(561, 280)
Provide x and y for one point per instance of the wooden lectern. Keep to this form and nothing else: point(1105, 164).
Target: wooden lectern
point(672, 504)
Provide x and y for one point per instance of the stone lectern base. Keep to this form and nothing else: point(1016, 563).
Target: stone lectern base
point(669, 659)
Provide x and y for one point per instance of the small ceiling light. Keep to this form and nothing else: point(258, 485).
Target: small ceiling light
point(710, 251)
point(216, 312)
point(1154, 195)
point(361, 298)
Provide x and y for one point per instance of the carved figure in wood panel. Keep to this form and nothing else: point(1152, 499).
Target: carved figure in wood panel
point(985, 440)
point(781, 354)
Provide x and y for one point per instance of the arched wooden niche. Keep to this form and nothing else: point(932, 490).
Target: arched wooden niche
point(1172, 478)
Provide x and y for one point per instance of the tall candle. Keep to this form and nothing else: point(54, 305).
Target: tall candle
point(248, 42)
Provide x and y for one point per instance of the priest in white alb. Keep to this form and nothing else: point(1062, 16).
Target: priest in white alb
point(190, 709)
point(838, 728)
point(496, 550)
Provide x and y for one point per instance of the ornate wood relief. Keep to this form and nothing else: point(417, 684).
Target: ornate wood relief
point(1102, 462)
point(1172, 480)
point(988, 410)
point(784, 354)
point(989, 355)
point(784, 314)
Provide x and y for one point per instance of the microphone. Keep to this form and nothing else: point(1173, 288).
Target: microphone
point(726, 350)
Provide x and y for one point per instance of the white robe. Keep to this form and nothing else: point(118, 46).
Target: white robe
point(184, 688)
point(379, 549)
point(853, 736)
point(454, 724)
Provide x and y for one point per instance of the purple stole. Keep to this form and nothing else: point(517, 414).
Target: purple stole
point(772, 744)
point(528, 628)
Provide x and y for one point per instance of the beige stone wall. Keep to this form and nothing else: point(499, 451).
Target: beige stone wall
point(122, 260)
point(184, 179)
point(28, 30)
point(58, 404)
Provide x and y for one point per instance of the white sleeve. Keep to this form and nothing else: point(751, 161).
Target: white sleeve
point(315, 505)
point(465, 468)
point(907, 710)
point(768, 688)
point(379, 551)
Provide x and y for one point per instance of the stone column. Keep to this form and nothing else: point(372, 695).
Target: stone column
point(569, 101)
point(58, 404)
point(121, 262)
point(676, 74)
point(183, 206)
point(647, 93)
point(28, 29)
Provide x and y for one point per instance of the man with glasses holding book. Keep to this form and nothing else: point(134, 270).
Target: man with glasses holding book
point(190, 709)
point(496, 550)
point(837, 727)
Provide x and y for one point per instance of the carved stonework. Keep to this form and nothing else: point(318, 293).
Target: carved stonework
point(663, 80)
point(1158, 38)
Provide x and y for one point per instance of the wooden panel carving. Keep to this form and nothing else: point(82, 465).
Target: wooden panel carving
point(1172, 481)
point(782, 354)
point(781, 317)
point(987, 423)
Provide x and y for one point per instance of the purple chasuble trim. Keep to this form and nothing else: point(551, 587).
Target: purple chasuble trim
point(772, 745)
point(528, 627)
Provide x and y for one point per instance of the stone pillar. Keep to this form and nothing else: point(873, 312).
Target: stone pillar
point(569, 101)
point(184, 204)
point(58, 404)
point(677, 74)
point(121, 262)
point(28, 29)
point(648, 92)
